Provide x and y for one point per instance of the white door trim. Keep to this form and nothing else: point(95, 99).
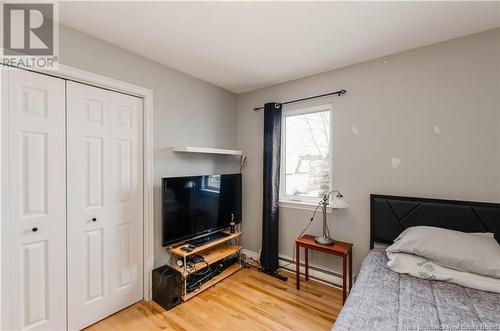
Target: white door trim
point(5, 319)
point(86, 77)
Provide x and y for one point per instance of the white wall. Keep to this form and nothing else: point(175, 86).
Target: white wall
point(187, 111)
point(395, 106)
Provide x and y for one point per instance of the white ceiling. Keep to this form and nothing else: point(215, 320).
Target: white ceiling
point(242, 46)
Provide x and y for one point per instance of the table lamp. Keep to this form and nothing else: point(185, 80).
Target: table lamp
point(337, 203)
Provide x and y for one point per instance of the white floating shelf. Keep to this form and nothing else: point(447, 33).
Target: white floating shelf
point(192, 149)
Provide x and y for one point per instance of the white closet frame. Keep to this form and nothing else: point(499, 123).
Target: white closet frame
point(85, 77)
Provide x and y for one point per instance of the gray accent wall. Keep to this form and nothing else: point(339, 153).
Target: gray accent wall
point(187, 111)
point(395, 102)
point(498, 105)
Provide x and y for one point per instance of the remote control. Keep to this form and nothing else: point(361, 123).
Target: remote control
point(186, 249)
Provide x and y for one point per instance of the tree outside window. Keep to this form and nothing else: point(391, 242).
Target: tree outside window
point(306, 154)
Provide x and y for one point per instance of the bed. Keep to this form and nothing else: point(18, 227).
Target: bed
point(384, 300)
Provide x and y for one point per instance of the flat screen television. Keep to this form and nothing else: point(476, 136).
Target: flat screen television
point(196, 206)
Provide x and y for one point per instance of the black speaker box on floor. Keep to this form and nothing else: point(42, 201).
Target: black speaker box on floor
point(167, 287)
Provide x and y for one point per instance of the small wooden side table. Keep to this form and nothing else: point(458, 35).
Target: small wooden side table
point(339, 248)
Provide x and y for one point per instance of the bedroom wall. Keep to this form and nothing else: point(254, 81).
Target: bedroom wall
point(498, 104)
point(395, 102)
point(187, 111)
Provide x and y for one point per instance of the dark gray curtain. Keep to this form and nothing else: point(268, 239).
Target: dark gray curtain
point(270, 209)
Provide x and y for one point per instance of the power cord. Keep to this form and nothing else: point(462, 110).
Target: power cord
point(252, 263)
point(191, 265)
point(204, 272)
point(300, 235)
point(161, 277)
point(207, 275)
point(242, 162)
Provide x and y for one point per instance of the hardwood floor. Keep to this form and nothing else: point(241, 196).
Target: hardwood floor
point(247, 300)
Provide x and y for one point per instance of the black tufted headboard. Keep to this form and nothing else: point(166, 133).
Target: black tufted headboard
point(390, 215)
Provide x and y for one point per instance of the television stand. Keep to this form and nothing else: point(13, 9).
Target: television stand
point(208, 238)
point(213, 252)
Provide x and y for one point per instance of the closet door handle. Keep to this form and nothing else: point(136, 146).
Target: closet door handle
point(35, 229)
point(94, 219)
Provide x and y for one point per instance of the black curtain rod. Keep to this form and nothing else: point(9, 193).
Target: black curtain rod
point(339, 93)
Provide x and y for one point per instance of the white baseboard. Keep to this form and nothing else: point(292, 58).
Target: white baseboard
point(319, 273)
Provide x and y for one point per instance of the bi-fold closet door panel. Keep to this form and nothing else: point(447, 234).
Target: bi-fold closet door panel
point(37, 201)
point(126, 201)
point(88, 204)
point(104, 148)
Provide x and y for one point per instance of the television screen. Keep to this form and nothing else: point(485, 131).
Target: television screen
point(193, 206)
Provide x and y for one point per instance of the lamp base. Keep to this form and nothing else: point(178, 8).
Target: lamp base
point(324, 240)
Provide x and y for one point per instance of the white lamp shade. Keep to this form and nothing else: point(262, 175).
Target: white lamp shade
point(339, 202)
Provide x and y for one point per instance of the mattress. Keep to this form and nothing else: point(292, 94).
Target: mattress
point(384, 300)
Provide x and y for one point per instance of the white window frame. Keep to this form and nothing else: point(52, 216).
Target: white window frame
point(303, 203)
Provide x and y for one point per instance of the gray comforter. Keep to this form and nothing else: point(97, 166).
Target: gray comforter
point(384, 300)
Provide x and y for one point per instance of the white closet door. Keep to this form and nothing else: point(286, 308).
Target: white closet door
point(126, 201)
point(37, 201)
point(104, 203)
point(88, 204)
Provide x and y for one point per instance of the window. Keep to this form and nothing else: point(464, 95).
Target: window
point(306, 154)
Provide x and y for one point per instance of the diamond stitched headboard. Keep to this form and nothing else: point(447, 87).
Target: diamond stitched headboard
point(390, 215)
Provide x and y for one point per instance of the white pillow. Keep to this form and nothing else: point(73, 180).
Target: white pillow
point(423, 268)
point(470, 252)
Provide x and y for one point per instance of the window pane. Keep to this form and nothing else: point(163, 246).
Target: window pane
point(307, 155)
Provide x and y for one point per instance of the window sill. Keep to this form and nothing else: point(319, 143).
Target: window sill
point(302, 205)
